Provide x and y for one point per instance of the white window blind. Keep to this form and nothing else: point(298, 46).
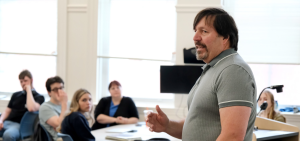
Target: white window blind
point(28, 40)
point(135, 38)
point(269, 30)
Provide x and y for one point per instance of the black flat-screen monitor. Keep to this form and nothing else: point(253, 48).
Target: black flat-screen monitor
point(178, 79)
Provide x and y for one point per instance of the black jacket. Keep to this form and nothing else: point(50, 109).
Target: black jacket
point(77, 127)
point(126, 109)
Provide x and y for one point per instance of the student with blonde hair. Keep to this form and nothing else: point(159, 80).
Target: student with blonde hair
point(76, 123)
point(270, 111)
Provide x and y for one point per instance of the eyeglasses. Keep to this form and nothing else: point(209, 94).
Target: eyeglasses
point(56, 89)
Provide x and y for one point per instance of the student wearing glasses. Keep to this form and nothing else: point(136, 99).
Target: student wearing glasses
point(52, 113)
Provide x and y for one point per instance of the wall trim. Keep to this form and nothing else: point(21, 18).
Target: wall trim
point(61, 61)
point(92, 43)
point(77, 8)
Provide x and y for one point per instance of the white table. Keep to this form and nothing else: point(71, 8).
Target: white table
point(268, 135)
point(142, 131)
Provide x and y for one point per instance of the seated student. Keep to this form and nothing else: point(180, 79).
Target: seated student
point(270, 111)
point(52, 112)
point(75, 123)
point(115, 109)
point(19, 104)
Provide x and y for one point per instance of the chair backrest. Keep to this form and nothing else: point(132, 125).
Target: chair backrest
point(27, 124)
point(44, 133)
point(47, 136)
point(65, 137)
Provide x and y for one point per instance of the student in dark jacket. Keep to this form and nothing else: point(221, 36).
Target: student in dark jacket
point(115, 109)
point(75, 123)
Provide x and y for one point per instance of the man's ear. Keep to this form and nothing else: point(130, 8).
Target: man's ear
point(49, 94)
point(31, 82)
point(225, 39)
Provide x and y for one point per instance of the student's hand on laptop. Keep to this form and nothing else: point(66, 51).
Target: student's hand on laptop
point(62, 96)
point(158, 122)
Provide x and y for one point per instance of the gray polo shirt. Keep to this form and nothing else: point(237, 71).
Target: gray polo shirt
point(226, 81)
point(48, 110)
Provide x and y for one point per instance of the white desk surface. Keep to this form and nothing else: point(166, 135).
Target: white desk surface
point(273, 134)
point(142, 131)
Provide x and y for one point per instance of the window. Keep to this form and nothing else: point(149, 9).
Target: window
point(28, 40)
point(269, 33)
point(270, 74)
point(135, 38)
point(269, 30)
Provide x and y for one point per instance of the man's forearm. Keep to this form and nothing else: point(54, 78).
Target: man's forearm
point(230, 137)
point(5, 114)
point(62, 113)
point(175, 128)
point(32, 106)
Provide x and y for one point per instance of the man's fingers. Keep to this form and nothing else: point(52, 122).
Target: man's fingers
point(151, 117)
point(159, 111)
point(149, 124)
point(150, 114)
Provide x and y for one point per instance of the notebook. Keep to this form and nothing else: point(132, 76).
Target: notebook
point(124, 137)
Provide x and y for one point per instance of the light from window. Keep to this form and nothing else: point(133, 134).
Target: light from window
point(288, 75)
point(41, 68)
point(139, 78)
point(269, 30)
point(27, 27)
point(144, 29)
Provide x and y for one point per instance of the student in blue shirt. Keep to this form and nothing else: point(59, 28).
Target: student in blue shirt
point(75, 123)
point(115, 109)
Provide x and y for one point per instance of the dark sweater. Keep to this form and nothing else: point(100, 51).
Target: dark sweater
point(77, 127)
point(126, 109)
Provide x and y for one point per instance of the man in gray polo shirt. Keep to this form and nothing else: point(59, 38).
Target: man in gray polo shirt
point(222, 102)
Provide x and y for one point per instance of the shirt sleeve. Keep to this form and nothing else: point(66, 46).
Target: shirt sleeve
point(46, 112)
point(132, 109)
point(235, 87)
point(39, 99)
point(82, 129)
point(99, 108)
point(10, 103)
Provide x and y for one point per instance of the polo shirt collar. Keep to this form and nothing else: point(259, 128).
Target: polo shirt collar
point(219, 57)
